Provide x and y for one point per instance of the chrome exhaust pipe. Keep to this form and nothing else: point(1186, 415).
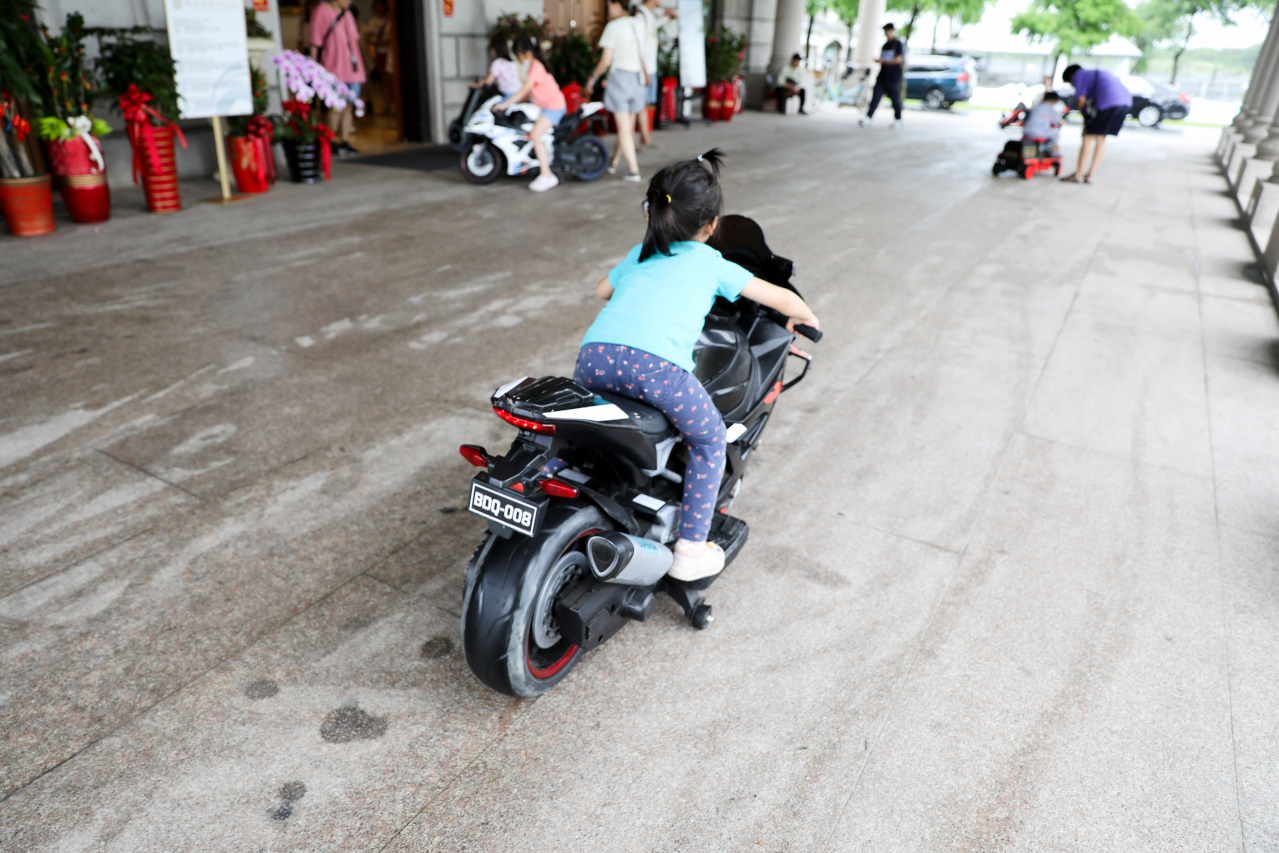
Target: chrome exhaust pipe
point(629, 560)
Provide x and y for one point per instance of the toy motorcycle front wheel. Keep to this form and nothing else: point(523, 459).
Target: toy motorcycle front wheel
point(482, 162)
point(509, 633)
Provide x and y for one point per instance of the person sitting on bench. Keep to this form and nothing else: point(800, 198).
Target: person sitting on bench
point(791, 84)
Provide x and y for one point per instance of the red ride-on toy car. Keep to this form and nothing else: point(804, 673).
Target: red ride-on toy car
point(1028, 157)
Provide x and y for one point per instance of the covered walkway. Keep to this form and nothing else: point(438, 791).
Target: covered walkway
point(1011, 582)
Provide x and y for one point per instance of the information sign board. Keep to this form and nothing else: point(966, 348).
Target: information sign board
point(208, 43)
point(692, 45)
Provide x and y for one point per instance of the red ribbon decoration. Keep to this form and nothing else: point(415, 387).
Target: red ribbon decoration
point(326, 148)
point(260, 129)
point(137, 122)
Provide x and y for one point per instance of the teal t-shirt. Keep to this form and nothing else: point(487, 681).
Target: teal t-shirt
point(660, 305)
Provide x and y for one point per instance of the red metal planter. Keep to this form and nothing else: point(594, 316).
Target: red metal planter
point(160, 179)
point(87, 197)
point(79, 179)
point(28, 205)
point(728, 102)
point(253, 174)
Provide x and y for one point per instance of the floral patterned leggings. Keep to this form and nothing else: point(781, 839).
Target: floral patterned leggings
point(677, 394)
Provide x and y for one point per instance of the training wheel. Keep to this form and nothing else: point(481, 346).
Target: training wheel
point(702, 617)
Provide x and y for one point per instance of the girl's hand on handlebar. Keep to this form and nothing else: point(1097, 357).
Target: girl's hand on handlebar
point(811, 320)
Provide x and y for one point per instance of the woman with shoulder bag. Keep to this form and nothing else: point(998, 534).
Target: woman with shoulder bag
point(622, 43)
point(335, 44)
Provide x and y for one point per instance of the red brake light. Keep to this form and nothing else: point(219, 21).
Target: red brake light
point(1185, 99)
point(963, 78)
point(522, 423)
point(475, 455)
point(557, 488)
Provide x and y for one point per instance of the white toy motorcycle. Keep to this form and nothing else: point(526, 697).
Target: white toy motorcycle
point(499, 144)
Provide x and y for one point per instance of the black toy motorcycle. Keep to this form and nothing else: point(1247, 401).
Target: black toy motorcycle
point(569, 560)
point(458, 137)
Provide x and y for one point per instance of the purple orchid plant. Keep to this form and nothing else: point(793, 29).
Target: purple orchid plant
point(308, 79)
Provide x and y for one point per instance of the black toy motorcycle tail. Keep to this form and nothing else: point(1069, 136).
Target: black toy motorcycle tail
point(458, 137)
point(570, 560)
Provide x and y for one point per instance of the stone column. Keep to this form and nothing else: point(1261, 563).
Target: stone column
point(788, 33)
point(1262, 75)
point(1261, 87)
point(870, 35)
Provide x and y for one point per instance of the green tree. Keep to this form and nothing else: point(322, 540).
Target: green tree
point(967, 11)
point(846, 11)
point(1075, 25)
point(812, 8)
point(1172, 23)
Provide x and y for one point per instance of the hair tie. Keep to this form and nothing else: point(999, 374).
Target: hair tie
point(668, 198)
point(699, 158)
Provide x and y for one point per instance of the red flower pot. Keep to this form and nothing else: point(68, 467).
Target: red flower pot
point(728, 104)
point(81, 182)
point(667, 99)
point(87, 197)
point(28, 205)
point(712, 100)
point(160, 179)
point(252, 175)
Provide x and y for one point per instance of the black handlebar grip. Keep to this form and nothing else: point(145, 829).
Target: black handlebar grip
point(809, 332)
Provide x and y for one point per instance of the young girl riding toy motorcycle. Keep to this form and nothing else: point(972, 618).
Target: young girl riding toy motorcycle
point(641, 343)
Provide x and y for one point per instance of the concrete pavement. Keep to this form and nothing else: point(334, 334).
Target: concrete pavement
point(1010, 583)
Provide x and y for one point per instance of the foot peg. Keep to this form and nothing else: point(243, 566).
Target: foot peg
point(728, 533)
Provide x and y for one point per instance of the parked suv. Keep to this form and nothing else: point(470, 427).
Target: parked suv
point(939, 80)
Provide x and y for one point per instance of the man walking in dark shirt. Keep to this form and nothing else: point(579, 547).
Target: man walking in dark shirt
point(892, 57)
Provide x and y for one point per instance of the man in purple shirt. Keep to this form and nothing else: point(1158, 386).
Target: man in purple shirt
point(1108, 105)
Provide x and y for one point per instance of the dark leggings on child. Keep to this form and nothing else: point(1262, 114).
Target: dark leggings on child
point(677, 394)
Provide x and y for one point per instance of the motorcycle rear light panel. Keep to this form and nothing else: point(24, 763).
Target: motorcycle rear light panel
point(524, 423)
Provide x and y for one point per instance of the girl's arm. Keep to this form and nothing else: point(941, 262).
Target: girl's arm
point(606, 62)
point(782, 300)
point(517, 97)
point(604, 290)
point(487, 81)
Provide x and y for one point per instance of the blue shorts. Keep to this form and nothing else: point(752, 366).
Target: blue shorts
point(355, 88)
point(554, 116)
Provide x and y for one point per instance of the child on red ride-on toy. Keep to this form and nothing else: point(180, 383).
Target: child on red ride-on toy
point(1036, 151)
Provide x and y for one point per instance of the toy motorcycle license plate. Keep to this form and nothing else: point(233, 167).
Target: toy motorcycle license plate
point(505, 507)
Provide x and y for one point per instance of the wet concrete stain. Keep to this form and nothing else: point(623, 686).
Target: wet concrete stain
point(290, 793)
point(350, 723)
point(447, 510)
point(437, 647)
point(263, 688)
point(355, 623)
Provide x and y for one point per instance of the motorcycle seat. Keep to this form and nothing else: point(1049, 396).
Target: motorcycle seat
point(652, 423)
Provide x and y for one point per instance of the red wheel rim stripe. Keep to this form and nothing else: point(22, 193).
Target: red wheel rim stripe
point(553, 668)
point(568, 656)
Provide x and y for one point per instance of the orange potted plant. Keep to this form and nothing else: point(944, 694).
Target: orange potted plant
point(140, 73)
point(70, 132)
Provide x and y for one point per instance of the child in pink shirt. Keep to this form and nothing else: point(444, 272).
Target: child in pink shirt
point(540, 88)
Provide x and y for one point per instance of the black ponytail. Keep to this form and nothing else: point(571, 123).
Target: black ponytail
point(497, 44)
point(528, 44)
point(683, 198)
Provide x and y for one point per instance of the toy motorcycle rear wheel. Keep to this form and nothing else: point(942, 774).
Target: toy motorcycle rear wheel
point(509, 634)
point(592, 158)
